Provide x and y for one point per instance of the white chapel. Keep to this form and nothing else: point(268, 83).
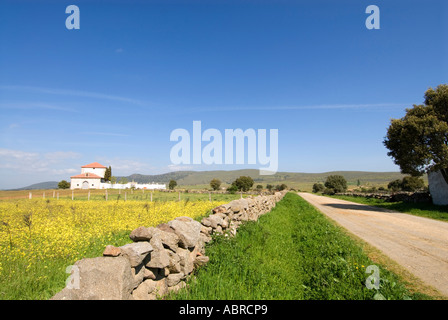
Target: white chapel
point(92, 176)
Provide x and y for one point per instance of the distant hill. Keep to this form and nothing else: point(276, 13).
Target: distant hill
point(297, 180)
point(198, 179)
point(41, 185)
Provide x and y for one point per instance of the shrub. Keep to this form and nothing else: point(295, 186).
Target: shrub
point(243, 183)
point(337, 183)
point(329, 191)
point(410, 183)
point(63, 185)
point(394, 185)
point(281, 187)
point(232, 189)
point(318, 187)
point(215, 184)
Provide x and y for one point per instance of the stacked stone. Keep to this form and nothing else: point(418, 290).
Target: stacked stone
point(160, 258)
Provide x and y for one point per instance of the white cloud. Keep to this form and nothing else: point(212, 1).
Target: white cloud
point(124, 167)
point(26, 162)
point(176, 167)
point(61, 155)
point(78, 93)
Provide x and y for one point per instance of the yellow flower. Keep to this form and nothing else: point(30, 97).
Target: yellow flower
point(65, 228)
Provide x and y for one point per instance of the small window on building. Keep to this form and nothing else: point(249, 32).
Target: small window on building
point(77, 185)
point(92, 184)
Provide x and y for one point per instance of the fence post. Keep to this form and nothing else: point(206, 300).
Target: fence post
point(43, 196)
point(106, 194)
point(57, 195)
point(30, 195)
point(88, 195)
point(73, 195)
point(53, 194)
point(179, 196)
point(151, 196)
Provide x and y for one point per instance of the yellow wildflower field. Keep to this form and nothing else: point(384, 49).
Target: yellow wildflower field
point(37, 232)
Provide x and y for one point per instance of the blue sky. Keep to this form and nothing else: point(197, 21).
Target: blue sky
point(115, 89)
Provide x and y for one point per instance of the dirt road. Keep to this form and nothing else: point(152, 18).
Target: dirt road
point(418, 244)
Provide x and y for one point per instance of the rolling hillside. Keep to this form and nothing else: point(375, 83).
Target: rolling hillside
point(297, 180)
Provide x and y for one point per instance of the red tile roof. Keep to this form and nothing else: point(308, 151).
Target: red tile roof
point(93, 165)
point(87, 175)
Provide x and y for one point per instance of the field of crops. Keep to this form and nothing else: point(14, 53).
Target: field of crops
point(39, 238)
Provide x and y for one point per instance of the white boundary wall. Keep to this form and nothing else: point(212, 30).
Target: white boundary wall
point(129, 185)
point(438, 188)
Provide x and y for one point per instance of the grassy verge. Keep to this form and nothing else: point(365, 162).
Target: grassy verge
point(419, 209)
point(293, 252)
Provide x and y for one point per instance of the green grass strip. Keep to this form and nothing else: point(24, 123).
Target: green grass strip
point(427, 210)
point(292, 253)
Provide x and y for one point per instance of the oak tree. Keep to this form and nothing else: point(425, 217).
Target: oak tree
point(418, 142)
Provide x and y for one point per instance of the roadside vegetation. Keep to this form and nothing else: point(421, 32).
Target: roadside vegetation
point(426, 210)
point(293, 252)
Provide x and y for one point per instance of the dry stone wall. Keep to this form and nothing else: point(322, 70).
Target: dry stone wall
point(160, 259)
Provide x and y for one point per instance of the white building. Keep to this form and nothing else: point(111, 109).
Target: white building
point(92, 176)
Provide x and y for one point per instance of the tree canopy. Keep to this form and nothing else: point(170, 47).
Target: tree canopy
point(408, 183)
point(63, 184)
point(318, 187)
point(243, 183)
point(418, 142)
point(336, 183)
point(215, 184)
point(172, 184)
point(108, 174)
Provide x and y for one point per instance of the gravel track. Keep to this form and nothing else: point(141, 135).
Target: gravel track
point(418, 244)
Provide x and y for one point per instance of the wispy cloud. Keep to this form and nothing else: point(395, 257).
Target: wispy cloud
point(35, 105)
point(299, 107)
point(78, 93)
point(175, 167)
point(112, 134)
point(123, 167)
